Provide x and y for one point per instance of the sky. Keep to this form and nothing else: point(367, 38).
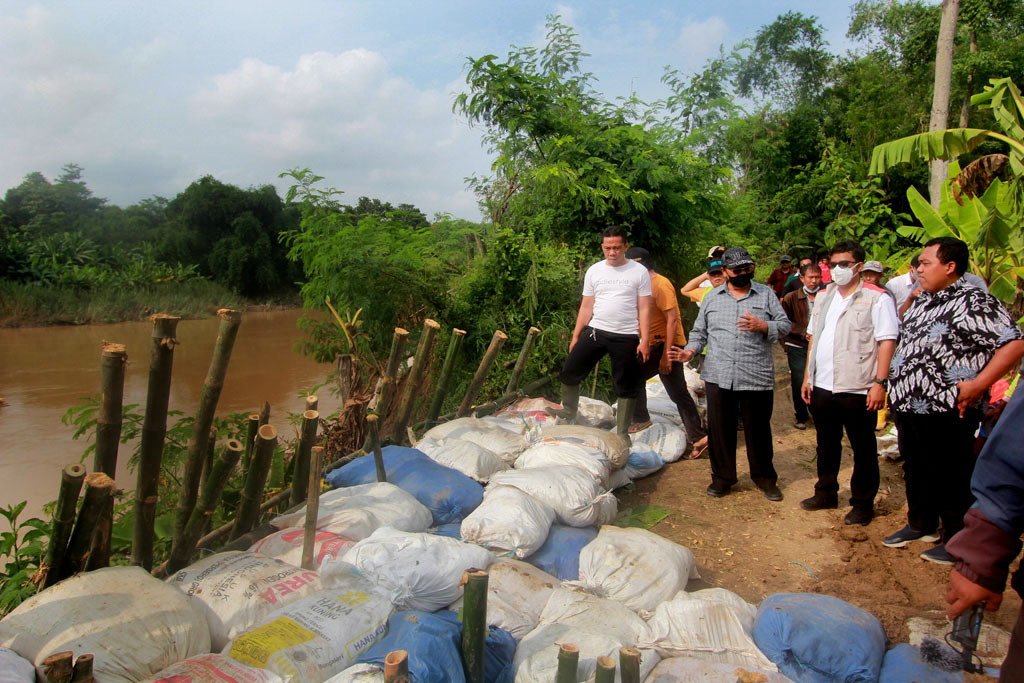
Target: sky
point(149, 97)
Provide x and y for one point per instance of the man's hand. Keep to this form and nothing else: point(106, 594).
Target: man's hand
point(805, 392)
point(750, 323)
point(876, 397)
point(665, 365)
point(962, 593)
point(678, 355)
point(643, 349)
point(968, 393)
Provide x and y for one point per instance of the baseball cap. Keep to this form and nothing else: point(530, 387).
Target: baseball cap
point(714, 265)
point(786, 259)
point(735, 257)
point(875, 266)
point(640, 255)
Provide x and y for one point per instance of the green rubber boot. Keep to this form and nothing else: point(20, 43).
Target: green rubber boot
point(570, 404)
point(624, 416)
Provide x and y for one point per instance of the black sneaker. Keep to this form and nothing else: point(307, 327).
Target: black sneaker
point(908, 534)
point(938, 555)
point(862, 516)
point(817, 502)
point(718, 490)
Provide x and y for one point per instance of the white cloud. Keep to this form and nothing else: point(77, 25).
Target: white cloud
point(699, 40)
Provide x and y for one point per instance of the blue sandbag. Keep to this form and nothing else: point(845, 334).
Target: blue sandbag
point(560, 554)
point(448, 494)
point(819, 639)
point(903, 664)
point(449, 530)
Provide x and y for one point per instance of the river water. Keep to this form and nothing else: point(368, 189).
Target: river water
point(46, 370)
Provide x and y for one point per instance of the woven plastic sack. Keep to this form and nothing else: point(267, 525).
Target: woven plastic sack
point(666, 439)
point(581, 610)
point(595, 413)
point(536, 658)
point(508, 521)
point(286, 545)
point(615, 448)
point(660, 407)
point(643, 461)
point(576, 497)
point(505, 441)
point(103, 612)
point(550, 453)
point(355, 512)
point(694, 670)
point(560, 554)
point(472, 459)
point(516, 595)
point(212, 668)
point(14, 668)
point(904, 663)
point(529, 412)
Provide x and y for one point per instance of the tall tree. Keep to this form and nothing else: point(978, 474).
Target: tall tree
point(940, 98)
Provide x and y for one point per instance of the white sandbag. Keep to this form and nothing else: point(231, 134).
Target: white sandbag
point(536, 659)
point(595, 413)
point(286, 545)
point(619, 479)
point(359, 673)
point(547, 453)
point(416, 570)
point(577, 498)
point(716, 625)
point(694, 384)
point(529, 412)
point(14, 668)
point(236, 590)
point(508, 521)
point(694, 670)
point(571, 606)
point(355, 512)
point(504, 442)
point(668, 440)
point(104, 613)
point(472, 459)
point(635, 567)
point(212, 668)
point(517, 593)
point(744, 611)
point(661, 408)
point(316, 637)
point(613, 445)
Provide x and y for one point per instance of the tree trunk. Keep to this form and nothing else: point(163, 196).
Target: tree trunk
point(965, 107)
point(940, 97)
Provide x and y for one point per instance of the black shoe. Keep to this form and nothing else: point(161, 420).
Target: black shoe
point(818, 502)
point(862, 516)
point(908, 534)
point(772, 492)
point(718, 490)
point(938, 555)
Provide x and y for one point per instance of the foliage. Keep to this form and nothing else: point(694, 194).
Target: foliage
point(23, 547)
point(788, 61)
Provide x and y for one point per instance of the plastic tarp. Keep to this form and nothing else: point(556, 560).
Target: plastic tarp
point(537, 656)
point(508, 521)
point(615, 448)
point(517, 593)
point(554, 453)
point(213, 668)
point(448, 494)
point(903, 663)
point(102, 612)
point(357, 511)
point(14, 668)
point(819, 638)
point(286, 545)
point(667, 440)
point(560, 554)
point(506, 440)
point(236, 590)
point(472, 459)
point(576, 497)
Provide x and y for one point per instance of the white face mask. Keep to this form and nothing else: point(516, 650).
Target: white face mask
point(842, 276)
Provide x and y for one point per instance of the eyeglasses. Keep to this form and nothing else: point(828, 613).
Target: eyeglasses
point(743, 269)
point(843, 264)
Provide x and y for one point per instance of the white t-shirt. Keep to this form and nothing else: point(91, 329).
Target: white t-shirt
point(615, 291)
point(883, 319)
point(901, 286)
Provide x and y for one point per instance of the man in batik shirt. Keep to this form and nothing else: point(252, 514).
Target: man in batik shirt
point(956, 340)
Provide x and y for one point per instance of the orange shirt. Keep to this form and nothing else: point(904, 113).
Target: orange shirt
point(664, 300)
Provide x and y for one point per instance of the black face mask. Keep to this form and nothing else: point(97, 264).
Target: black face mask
point(741, 281)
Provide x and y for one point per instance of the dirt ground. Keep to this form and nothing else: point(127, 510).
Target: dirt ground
point(754, 547)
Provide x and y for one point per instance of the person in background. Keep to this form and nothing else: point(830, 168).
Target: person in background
point(793, 282)
point(798, 306)
point(872, 273)
point(826, 272)
point(777, 280)
point(698, 287)
point(955, 342)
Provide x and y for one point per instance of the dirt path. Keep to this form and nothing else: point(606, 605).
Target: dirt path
point(755, 548)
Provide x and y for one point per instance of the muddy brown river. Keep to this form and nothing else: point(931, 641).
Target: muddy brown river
point(46, 370)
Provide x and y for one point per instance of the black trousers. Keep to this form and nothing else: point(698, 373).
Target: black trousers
point(756, 409)
point(938, 463)
point(797, 357)
point(832, 414)
point(675, 386)
point(592, 347)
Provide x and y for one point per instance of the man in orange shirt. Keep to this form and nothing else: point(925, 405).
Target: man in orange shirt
point(666, 329)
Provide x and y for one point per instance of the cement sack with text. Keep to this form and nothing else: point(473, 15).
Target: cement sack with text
point(286, 545)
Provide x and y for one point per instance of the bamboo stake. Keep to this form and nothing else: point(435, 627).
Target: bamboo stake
point(98, 490)
point(300, 482)
point(220, 472)
point(209, 453)
point(420, 365)
point(474, 624)
point(497, 341)
point(265, 413)
point(389, 382)
point(312, 401)
point(63, 520)
point(113, 360)
point(524, 355)
point(252, 493)
point(605, 670)
point(501, 401)
point(312, 507)
point(396, 667)
point(568, 663)
point(250, 440)
point(229, 322)
point(83, 670)
point(154, 429)
point(58, 667)
point(441, 392)
point(629, 664)
point(378, 456)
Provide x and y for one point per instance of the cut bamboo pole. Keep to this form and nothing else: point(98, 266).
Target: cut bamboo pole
point(113, 360)
point(265, 413)
point(497, 341)
point(441, 392)
point(252, 493)
point(63, 521)
point(154, 429)
point(229, 322)
point(312, 507)
point(568, 663)
point(474, 624)
point(378, 456)
point(220, 472)
point(300, 481)
point(98, 490)
point(83, 670)
point(524, 355)
point(250, 440)
point(605, 670)
point(389, 382)
point(629, 664)
point(420, 365)
point(59, 667)
point(396, 667)
point(312, 401)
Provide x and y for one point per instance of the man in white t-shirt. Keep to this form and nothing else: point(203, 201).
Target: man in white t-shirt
point(613, 319)
point(853, 330)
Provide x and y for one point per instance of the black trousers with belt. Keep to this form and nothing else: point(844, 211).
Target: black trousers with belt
point(591, 347)
point(755, 407)
point(834, 412)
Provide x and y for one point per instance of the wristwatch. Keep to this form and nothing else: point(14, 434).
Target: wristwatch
point(883, 382)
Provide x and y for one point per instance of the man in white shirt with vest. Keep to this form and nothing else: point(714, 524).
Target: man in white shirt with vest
point(853, 330)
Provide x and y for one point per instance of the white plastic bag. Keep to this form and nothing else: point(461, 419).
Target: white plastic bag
point(504, 442)
point(635, 567)
point(508, 521)
point(536, 659)
point(595, 413)
point(103, 613)
point(571, 606)
point(212, 668)
point(236, 589)
point(615, 448)
point(666, 439)
point(694, 670)
point(547, 453)
point(517, 593)
point(286, 545)
point(416, 570)
point(472, 459)
point(357, 511)
point(14, 668)
point(577, 498)
point(316, 637)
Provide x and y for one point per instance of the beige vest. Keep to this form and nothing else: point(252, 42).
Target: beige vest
point(855, 351)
